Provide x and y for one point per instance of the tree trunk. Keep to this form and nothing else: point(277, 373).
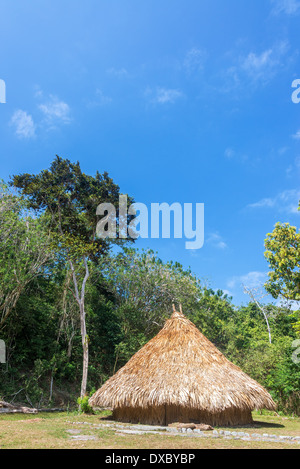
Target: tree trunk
point(6, 407)
point(84, 337)
point(261, 308)
point(85, 349)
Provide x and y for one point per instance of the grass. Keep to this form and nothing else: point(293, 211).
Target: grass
point(54, 431)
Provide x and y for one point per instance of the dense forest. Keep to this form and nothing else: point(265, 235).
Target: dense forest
point(74, 309)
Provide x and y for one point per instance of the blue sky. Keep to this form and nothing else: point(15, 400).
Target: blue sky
point(185, 102)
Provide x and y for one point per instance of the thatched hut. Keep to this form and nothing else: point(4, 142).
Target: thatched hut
point(180, 376)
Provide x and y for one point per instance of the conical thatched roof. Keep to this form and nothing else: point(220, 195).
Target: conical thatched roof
point(181, 367)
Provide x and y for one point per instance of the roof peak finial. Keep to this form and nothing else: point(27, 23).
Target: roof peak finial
point(177, 313)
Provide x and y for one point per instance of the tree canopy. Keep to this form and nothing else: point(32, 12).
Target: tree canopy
point(283, 255)
point(24, 250)
point(68, 198)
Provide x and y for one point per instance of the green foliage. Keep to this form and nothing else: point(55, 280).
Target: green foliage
point(69, 199)
point(24, 250)
point(84, 407)
point(127, 299)
point(148, 287)
point(270, 364)
point(283, 255)
point(211, 313)
point(43, 338)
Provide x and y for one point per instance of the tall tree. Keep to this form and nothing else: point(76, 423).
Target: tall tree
point(143, 281)
point(283, 254)
point(144, 288)
point(257, 297)
point(24, 250)
point(69, 199)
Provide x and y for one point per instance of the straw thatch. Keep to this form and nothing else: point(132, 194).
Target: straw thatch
point(180, 376)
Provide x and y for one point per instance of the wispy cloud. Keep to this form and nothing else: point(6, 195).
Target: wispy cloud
point(297, 162)
point(264, 203)
point(55, 111)
point(52, 113)
point(293, 168)
point(296, 136)
point(264, 65)
point(250, 280)
point(232, 155)
point(229, 153)
point(257, 64)
point(99, 99)
point(117, 72)
point(23, 124)
point(194, 60)
point(256, 67)
point(286, 201)
point(288, 7)
point(215, 240)
point(164, 95)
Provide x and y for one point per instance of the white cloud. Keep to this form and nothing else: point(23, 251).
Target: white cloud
point(194, 60)
point(264, 65)
point(38, 92)
point(282, 150)
point(288, 7)
point(250, 280)
point(99, 100)
point(55, 111)
point(256, 67)
point(286, 201)
point(294, 168)
point(227, 292)
point(263, 203)
point(291, 304)
point(234, 155)
point(117, 72)
point(167, 95)
point(297, 135)
point(164, 95)
point(229, 153)
point(289, 171)
point(23, 124)
point(255, 63)
point(216, 241)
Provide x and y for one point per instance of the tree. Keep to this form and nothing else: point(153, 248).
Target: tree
point(214, 310)
point(69, 199)
point(24, 250)
point(257, 297)
point(144, 288)
point(143, 280)
point(283, 254)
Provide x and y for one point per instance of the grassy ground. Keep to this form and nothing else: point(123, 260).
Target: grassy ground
point(18, 431)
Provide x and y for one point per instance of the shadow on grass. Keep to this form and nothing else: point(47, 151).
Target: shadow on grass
point(106, 415)
point(256, 424)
